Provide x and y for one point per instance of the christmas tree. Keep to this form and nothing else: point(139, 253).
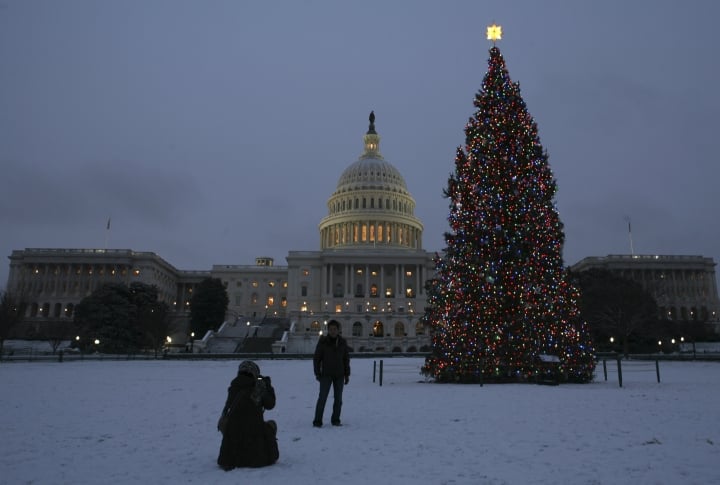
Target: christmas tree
point(501, 307)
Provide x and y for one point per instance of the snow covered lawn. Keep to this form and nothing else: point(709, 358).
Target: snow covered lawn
point(153, 422)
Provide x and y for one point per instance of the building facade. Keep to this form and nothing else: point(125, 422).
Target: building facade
point(684, 287)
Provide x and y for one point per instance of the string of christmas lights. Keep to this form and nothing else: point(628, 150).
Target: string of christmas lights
point(501, 300)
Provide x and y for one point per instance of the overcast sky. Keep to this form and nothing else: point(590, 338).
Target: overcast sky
point(213, 132)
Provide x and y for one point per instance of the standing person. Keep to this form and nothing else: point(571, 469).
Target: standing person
point(331, 363)
point(248, 440)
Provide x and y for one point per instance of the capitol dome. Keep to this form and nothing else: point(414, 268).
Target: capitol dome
point(371, 205)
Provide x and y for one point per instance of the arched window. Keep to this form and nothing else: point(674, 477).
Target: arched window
point(57, 310)
point(373, 290)
point(419, 328)
point(315, 326)
point(399, 329)
point(378, 329)
point(254, 298)
point(357, 329)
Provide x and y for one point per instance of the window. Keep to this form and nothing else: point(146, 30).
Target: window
point(254, 284)
point(378, 329)
point(357, 329)
point(271, 284)
point(283, 302)
point(399, 329)
point(270, 300)
point(303, 291)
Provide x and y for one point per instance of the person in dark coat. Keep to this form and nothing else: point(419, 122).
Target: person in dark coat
point(331, 364)
point(248, 440)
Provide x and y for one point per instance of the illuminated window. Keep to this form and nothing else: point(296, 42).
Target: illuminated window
point(136, 272)
point(315, 325)
point(306, 272)
point(284, 284)
point(254, 284)
point(338, 308)
point(271, 284)
point(254, 299)
point(283, 302)
point(270, 300)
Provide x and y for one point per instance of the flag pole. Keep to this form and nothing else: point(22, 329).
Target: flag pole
point(632, 250)
point(107, 233)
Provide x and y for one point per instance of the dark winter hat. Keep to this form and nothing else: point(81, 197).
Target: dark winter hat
point(334, 323)
point(249, 367)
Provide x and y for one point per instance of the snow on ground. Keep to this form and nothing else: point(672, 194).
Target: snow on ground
point(129, 422)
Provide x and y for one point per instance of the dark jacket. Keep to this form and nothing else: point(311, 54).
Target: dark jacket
point(248, 441)
point(332, 357)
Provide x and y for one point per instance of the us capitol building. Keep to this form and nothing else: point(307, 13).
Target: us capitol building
point(369, 274)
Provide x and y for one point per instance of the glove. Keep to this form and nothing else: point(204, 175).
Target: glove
point(347, 379)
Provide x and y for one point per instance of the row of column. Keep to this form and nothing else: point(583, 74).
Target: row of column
point(676, 284)
point(349, 282)
point(371, 232)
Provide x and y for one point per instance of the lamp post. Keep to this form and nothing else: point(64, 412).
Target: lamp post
point(192, 341)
